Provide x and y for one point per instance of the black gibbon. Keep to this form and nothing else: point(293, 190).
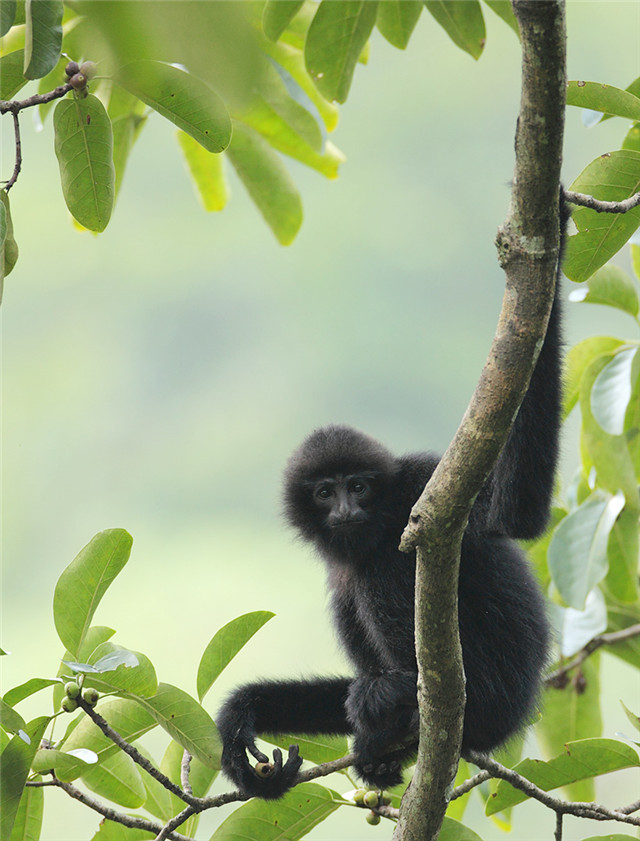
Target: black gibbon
point(351, 498)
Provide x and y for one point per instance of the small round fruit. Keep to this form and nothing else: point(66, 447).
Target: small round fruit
point(72, 68)
point(72, 689)
point(264, 769)
point(69, 704)
point(358, 796)
point(372, 799)
point(88, 69)
point(373, 818)
point(91, 696)
point(78, 81)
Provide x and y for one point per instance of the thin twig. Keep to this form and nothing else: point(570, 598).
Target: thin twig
point(137, 757)
point(558, 833)
point(602, 206)
point(582, 810)
point(16, 105)
point(632, 807)
point(467, 785)
point(18, 165)
point(185, 769)
point(116, 817)
point(556, 678)
point(167, 830)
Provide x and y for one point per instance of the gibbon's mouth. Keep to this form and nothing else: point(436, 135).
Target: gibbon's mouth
point(347, 525)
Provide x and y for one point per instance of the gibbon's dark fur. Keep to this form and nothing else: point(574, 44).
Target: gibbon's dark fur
point(351, 498)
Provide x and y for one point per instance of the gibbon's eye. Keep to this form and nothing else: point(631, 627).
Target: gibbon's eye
point(323, 492)
point(358, 488)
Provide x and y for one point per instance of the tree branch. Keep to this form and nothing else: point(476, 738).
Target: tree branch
point(603, 206)
point(557, 678)
point(529, 246)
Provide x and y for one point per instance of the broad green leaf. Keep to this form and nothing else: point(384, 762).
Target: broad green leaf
point(10, 720)
point(615, 837)
point(336, 37)
point(128, 116)
point(45, 760)
point(611, 391)
point(182, 98)
point(24, 690)
point(111, 831)
point(579, 761)
point(292, 817)
point(632, 138)
point(200, 776)
point(504, 10)
point(463, 22)
point(611, 177)
point(7, 16)
point(207, 172)
point(126, 717)
point(28, 822)
point(633, 718)
point(85, 581)
point(577, 553)
point(9, 253)
point(84, 148)
point(225, 644)
point(12, 79)
point(112, 668)
point(397, 19)
point(277, 15)
point(317, 749)
point(16, 760)
point(267, 181)
point(578, 627)
point(118, 779)
point(453, 830)
point(570, 714)
point(622, 551)
point(291, 59)
point(94, 637)
point(605, 98)
point(612, 286)
point(537, 549)
point(43, 36)
point(182, 717)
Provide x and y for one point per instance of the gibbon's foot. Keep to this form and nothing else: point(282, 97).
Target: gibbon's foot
point(380, 772)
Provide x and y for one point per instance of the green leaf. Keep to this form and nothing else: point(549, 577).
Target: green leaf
point(336, 37)
point(200, 776)
point(10, 720)
point(84, 148)
point(24, 690)
point(7, 16)
point(633, 718)
point(182, 98)
point(128, 116)
point(267, 181)
point(94, 637)
point(12, 79)
point(504, 10)
point(277, 15)
point(463, 22)
point(570, 714)
point(110, 831)
point(157, 798)
point(185, 721)
point(578, 359)
point(615, 837)
point(121, 669)
point(605, 98)
point(579, 761)
point(207, 172)
point(291, 817)
point(28, 823)
point(622, 551)
point(453, 830)
point(225, 644)
point(47, 759)
point(632, 138)
point(397, 19)
point(577, 553)
point(317, 749)
point(85, 581)
point(611, 391)
point(118, 779)
point(16, 761)
point(9, 253)
point(127, 717)
point(43, 36)
point(614, 176)
point(612, 286)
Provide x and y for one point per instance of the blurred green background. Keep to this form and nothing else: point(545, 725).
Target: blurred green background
point(156, 377)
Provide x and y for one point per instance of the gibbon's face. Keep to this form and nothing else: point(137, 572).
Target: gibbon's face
point(344, 501)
